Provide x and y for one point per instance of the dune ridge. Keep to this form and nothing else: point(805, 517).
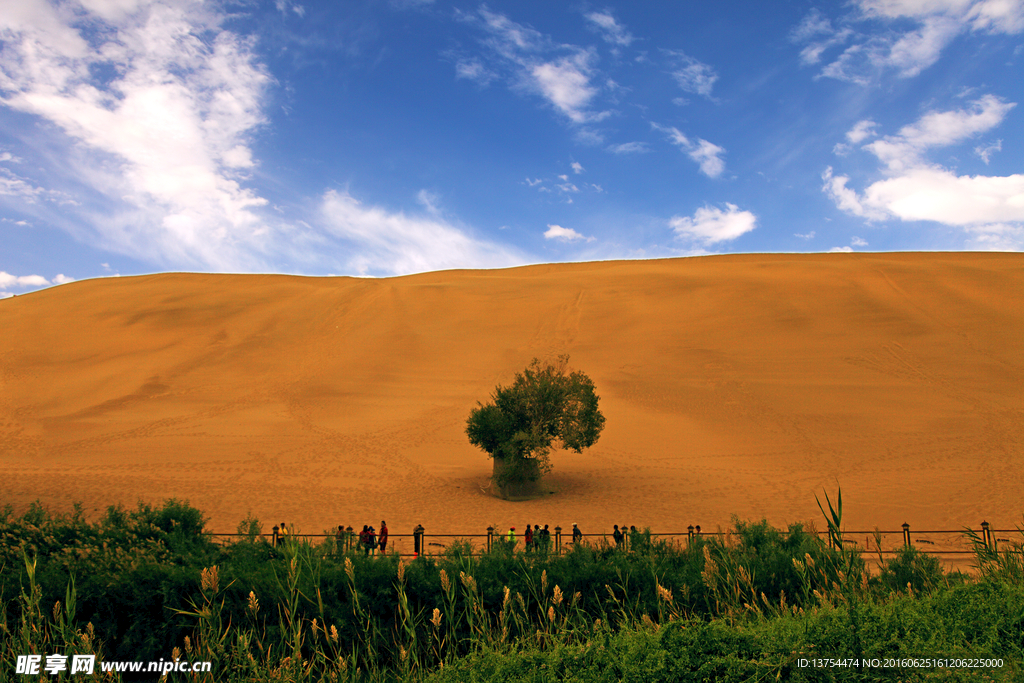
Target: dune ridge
point(738, 384)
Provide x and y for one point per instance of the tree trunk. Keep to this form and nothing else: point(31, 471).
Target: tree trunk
point(524, 482)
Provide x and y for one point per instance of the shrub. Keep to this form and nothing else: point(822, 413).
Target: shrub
point(910, 567)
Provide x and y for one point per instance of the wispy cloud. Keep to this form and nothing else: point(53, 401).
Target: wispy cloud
point(816, 30)
point(711, 225)
point(473, 69)
point(919, 31)
point(611, 30)
point(707, 154)
point(566, 84)
point(692, 75)
point(985, 152)
point(564, 75)
point(165, 140)
point(939, 129)
point(382, 242)
point(629, 148)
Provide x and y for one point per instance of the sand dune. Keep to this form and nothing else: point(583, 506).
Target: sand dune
point(731, 385)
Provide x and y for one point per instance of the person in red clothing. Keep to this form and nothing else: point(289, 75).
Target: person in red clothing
point(382, 538)
point(529, 538)
point(364, 539)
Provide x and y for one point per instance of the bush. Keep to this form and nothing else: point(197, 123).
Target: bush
point(911, 568)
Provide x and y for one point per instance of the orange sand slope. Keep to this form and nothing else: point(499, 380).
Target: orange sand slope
point(731, 385)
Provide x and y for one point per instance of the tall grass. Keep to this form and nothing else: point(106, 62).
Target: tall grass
point(746, 605)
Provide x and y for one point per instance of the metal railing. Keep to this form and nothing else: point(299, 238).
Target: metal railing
point(347, 540)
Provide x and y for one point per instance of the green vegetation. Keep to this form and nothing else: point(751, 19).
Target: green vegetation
point(543, 405)
point(748, 605)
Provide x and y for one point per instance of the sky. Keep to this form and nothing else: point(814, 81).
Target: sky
point(388, 137)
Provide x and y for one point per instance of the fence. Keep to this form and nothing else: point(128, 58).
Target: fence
point(347, 540)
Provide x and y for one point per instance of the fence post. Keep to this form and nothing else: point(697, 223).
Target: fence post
point(906, 534)
point(490, 537)
point(986, 535)
point(558, 540)
point(689, 535)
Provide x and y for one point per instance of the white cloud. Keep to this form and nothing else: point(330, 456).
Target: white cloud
point(693, 75)
point(939, 129)
point(996, 237)
point(936, 194)
point(390, 243)
point(557, 232)
point(13, 185)
point(589, 136)
point(473, 70)
point(814, 24)
point(611, 30)
point(429, 201)
point(708, 155)
point(564, 81)
point(906, 49)
point(62, 279)
point(985, 152)
point(577, 167)
point(812, 28)
point(840, 250)
point(566, 84)
point(861, 131)
point(846, 198)
point(808, 236)
point(915, 190)
point(8, 280)
point(162, 142)
point(629, 148)
point(858, 242)
point(710, 225)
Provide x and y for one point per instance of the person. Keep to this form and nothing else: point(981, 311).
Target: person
point(372, 537)
point(545, 539)
point(634, 538)
point(577, 535)
point(617, 536)
point(284, 533)
point(364, 539)
point(417, 539)
point(528, 538)
point(511, 537)
point(382, 541)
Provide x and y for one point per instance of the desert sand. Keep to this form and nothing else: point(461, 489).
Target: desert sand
point(732, 385)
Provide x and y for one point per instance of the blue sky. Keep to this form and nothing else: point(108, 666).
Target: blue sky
point(391, 137)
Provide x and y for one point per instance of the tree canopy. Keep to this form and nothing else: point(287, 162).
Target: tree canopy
point(545, 404)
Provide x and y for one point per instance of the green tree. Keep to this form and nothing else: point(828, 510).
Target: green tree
point(544, 405)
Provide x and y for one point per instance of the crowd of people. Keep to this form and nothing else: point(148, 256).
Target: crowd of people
point(536, 539)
